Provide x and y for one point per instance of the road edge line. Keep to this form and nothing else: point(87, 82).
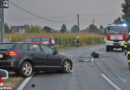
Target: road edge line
point(24, 83)
point(110, 82)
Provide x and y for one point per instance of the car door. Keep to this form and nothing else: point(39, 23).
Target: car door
point(37, 55)
point(52, 60)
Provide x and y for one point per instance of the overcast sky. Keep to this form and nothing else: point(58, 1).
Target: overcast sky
point(64, 11)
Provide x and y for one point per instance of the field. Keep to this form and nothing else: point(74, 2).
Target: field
point(62, 40)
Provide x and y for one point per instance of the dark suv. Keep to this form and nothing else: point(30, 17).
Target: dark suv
point(24, 58)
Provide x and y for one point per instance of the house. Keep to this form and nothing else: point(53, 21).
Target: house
point(85, 31)
point(14, 29)
point(19, 29)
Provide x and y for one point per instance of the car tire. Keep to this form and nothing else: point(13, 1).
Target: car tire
point(26, 69)
point(107, 49)
point(66, 67)
point(17, 73)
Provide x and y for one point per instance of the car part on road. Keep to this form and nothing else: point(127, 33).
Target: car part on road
point(94, 55)
point(84, 60)
point(33, 85)
point(26, 69)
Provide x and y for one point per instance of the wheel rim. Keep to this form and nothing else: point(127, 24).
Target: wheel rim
point(27, 69)
point(67, 66)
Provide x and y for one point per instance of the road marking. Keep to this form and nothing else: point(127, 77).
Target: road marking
point(122, 79)
point(92, 59)
point(110, 82)
point(24, 83)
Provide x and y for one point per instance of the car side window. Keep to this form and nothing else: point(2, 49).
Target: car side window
point(36, 39)
point(34, 47)
point(46, 49)
point(24, 47)
point(28, 40)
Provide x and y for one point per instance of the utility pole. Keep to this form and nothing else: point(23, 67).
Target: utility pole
point(93, 22)
point(0, 21)
point(3, 4)
point(78, 21)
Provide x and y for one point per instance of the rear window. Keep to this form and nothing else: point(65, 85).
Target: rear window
point(7, 46)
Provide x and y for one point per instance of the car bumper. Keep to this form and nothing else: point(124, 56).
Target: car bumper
point(115, 44)
point(8, 64)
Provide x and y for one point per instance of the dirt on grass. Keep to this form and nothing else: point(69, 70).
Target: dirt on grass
point(12, 81)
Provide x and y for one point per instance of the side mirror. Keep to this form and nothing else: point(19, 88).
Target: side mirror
point(4, 74)
point(55, 52)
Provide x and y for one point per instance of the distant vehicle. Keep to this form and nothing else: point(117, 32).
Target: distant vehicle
point(24, 58)
point(116, 36)
point(47, 40)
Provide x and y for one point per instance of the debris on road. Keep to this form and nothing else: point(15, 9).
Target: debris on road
point(95, 55)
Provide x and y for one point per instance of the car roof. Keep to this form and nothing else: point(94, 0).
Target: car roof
point(20, 43)
point(42, 36)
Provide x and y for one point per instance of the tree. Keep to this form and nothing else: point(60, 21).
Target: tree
point(35, 29)
point(47, 29)
point(7, 30)
point(118, 21)
point(101, 30)
point(93, 28)
point(63, 28)
point(75, 29)
point(101, 27)
point(126, 11)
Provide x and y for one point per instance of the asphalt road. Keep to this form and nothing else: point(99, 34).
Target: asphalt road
point(109, 72)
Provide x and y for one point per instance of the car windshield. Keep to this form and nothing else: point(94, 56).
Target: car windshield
point(7, 46)
point(116, 30)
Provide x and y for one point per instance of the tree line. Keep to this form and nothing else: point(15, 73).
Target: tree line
point(46, 29)
point(125, 18)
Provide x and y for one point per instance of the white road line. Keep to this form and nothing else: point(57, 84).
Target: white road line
point(110, 82)
point(21, 87)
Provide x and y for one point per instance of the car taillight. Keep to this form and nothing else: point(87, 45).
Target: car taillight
point(12, 53)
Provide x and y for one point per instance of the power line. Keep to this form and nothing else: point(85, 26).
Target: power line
point(32, 18)
point(109, 14)
point(40, 17)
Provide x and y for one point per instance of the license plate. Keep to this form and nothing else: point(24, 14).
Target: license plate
point(1, 55)
point(116, 44)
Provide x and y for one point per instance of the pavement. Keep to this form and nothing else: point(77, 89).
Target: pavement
point(108, 72)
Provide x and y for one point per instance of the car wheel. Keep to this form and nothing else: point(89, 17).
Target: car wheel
point(26, 69)
point(66, 68)
point(107, 49)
